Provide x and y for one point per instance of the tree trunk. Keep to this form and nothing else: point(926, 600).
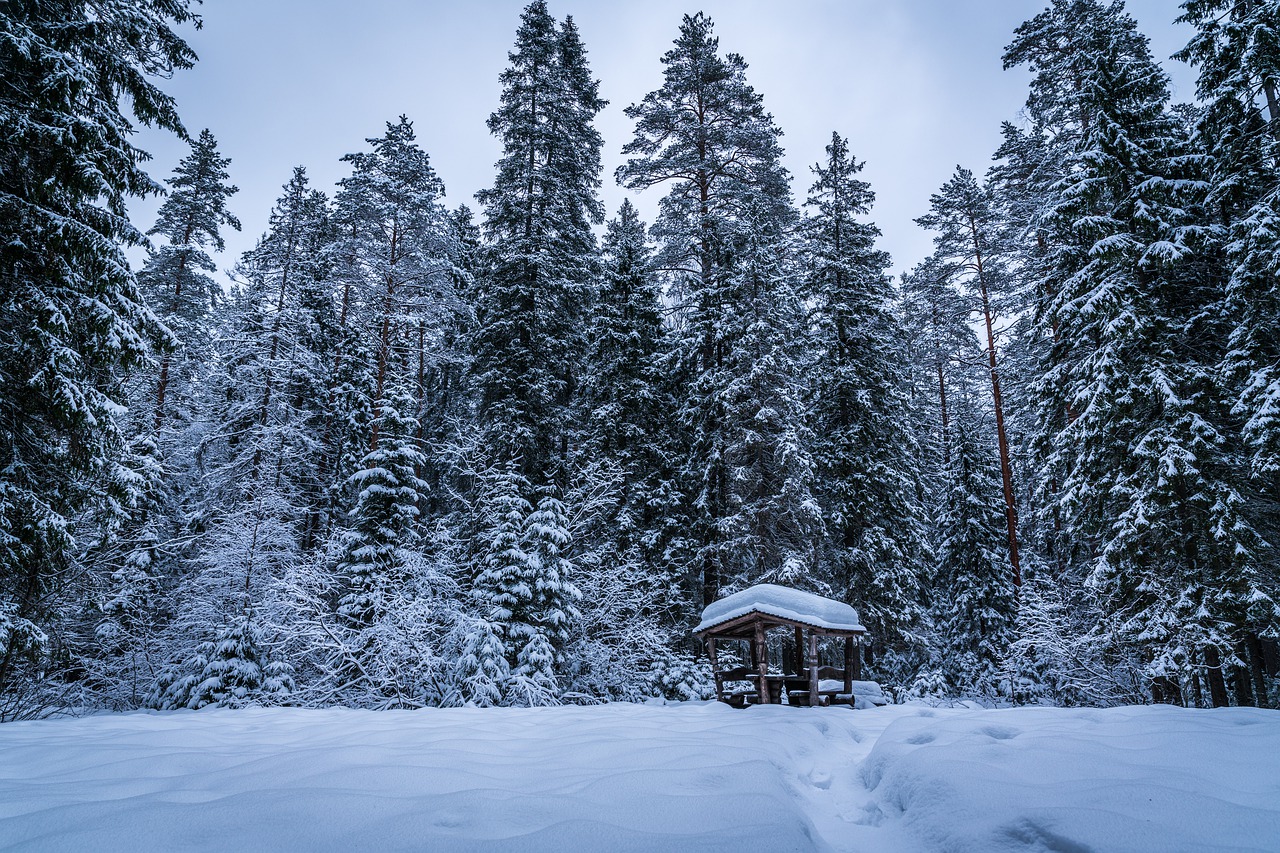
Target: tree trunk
point(1241, 679)
point(1213, 673)
point(1002, 437)
point(161, 387)
point(1254, 647)
point(1271, 657)
point(1165, 691)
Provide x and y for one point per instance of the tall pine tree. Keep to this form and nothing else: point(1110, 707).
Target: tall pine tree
point(860, 409)
point(724, 228)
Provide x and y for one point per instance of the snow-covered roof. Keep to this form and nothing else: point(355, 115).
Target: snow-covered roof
point(792, 604)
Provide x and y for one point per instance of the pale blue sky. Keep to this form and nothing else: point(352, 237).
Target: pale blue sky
point(916, 85)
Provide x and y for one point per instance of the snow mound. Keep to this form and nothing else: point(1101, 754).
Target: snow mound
point(784, 603)
point(1152, 779)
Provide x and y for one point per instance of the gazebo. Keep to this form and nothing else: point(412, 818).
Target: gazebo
point(748, 616)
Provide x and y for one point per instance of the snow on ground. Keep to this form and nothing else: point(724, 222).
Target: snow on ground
point(634, 777)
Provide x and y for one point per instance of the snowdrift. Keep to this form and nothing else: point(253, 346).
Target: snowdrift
point(632, 777)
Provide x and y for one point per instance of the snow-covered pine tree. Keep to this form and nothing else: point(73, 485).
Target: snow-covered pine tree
point(552, 608)
point(724, 226)
point(525, 594)
point(396, 273)
point(235, 670)
point(541, 253)
point(175, 279)
point(1150, 477)
point(177, 284)
point(1237, 51)
point(401, 251)
point(442, 380)
point(972, 600)
point(967, 226)
point(625, 400)
point(858, 400)
point(773, 530)
point(976, 603)
point(71, 315)
point(382, 524)
point(275, 359)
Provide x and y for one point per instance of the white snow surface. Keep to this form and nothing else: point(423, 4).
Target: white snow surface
point(696, 776)
point(784, 603)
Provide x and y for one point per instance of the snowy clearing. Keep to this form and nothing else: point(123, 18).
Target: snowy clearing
point(631, 777)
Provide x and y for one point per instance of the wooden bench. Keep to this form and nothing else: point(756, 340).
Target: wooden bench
point(738, 698)
point(798, 688)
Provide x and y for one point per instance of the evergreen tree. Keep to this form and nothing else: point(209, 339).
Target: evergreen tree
point(401, 250)
point(1237, 51)
point(381, 528)
point(974, 611)
point(541, 255)
point(175, 279)
point(859, 405)
point(966, 221)
point(71, 314)
point(1149, 475)
point(526, 595)
point(233, 671)
point(625, 404)
point(724, 225)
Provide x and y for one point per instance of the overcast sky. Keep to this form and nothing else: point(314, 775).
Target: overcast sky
point(916, 85)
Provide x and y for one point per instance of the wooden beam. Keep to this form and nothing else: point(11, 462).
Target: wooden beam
point(762, 663)
point(715, 669)
point(849, 658)
point(813, 669)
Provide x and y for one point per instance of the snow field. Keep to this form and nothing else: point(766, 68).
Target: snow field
point(696, 776)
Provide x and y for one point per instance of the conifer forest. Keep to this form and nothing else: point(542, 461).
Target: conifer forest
point(407, 454)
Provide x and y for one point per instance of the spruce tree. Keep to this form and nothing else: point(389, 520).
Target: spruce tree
point(525, 593)
point(859, 405)
point(975, 605)
point(381, 530)
point(540, 260)
point(71, 314)
point(1149, 475)
point(175, 278)
point(235, 670)
point(620, 385)
point(1236, 49)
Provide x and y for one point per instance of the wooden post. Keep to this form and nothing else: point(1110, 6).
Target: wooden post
point(799, 660)
point(762, 663)
point(813, 668)
point(849, 658)
point(715, 670)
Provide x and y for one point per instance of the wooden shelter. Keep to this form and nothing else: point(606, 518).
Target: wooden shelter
point(748, 616)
